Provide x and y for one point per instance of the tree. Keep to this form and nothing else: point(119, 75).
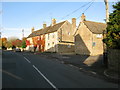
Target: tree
point(112, 39)
point(8, 44)
point(17, 43)
point(3, 42)
point(24, 44)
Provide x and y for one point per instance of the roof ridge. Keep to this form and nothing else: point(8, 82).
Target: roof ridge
point(52, 26)
point(94, 22)
point(46, 30)
point(60, 22)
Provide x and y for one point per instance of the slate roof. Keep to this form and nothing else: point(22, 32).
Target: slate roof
point(95, 27)
point(48, 29)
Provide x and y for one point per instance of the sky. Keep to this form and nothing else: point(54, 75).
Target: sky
point(16, 16)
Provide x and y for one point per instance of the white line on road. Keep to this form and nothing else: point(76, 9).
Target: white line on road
point(45, 78)
point(27, 60)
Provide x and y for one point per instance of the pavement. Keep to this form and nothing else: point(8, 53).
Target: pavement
point(91, 65)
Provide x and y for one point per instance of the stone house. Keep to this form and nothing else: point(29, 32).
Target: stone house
point(57, 37)
point(88, 37)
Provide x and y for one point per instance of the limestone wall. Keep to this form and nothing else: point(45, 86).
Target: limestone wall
point(114, 59)
point(65, 48)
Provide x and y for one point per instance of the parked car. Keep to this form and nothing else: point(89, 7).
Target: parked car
point(17, 50)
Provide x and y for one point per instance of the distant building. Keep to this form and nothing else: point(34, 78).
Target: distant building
point(88, 37)
point(57, 37)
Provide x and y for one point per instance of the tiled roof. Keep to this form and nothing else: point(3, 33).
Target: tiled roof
point(46, 30)
point(95, 27)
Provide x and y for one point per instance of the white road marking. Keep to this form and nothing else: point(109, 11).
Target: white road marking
point(10, 74)
point(27, 60)
point(45, 78)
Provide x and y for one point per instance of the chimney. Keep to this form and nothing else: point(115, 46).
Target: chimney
point(44, 25)
point(32, 30)
point(73, 23)
point(83, 17)
point(53, 22)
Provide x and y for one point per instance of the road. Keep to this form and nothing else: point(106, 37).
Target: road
point(27, 70)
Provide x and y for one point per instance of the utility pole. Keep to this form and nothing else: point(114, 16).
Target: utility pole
point(22, 33)
point(0, 34)
point(107, 10)
point(107, 15)
point(104, 34)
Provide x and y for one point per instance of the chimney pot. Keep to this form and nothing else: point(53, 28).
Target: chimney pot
point(44, 25)
point(74, 23)
point(53, 21)
point(83, 17)
point(32, 29)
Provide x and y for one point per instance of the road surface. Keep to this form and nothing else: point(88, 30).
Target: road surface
point(27, 70)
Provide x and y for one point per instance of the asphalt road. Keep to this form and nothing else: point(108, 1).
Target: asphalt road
point(27, 70)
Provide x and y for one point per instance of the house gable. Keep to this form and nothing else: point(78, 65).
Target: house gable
point(65, 33)
point(88, 38)
point(83, 39)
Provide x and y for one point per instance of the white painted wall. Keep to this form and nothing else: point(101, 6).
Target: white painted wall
point(51, 41)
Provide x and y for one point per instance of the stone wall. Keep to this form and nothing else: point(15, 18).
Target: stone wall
point(87, 42)
point(97, 44)
point(66, 32)
point(65, 48)
point(114, 59)
point(83, 40)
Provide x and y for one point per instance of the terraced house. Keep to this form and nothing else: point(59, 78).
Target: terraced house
point(58, 37)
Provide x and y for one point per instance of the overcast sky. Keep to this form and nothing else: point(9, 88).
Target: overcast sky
point(25, 15)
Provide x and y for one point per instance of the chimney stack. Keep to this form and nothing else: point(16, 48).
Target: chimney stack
point(53, 22)
point(83, 17)
point(44, 25)
point(73, 23)
point(32, 30)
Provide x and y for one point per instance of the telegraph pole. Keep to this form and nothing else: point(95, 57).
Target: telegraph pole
point(0, 34)
point(107, 10)
point(22, 33)
point(104, 34)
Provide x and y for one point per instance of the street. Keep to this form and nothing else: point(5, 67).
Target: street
point(27, 70)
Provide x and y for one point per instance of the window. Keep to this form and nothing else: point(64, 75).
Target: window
point(94, 44)
point(48, 44)
point(59, 39)
point(52, 43)
point(99, 35)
